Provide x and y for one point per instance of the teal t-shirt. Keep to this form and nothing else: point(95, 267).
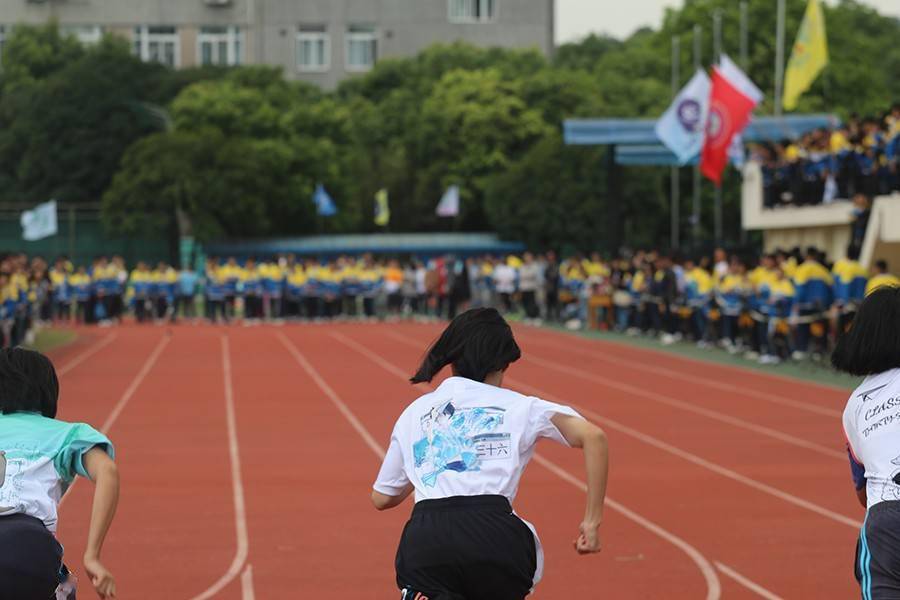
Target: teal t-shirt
point(40, 459)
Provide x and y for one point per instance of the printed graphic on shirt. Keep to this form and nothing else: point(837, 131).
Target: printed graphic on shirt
point(459, 439)
point(890, 489)
point(11, 481)
point(880, 414)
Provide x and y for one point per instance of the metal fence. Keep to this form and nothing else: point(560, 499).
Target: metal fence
point(81, 237)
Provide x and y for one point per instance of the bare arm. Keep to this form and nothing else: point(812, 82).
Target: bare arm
point(384, 502)
point(582, 434)
point(861, 496)
point(105, 475)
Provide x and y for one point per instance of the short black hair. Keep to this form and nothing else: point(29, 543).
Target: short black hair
point(28, 382)
point(881, 265)
point(476, 343)
point(872, 344)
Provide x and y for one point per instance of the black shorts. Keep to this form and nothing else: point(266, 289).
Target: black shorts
point(878, 553)
point(466, 548)
point(30, 559)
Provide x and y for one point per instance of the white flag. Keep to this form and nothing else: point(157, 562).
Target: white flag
point(682, 126)
point(40, 222)
point(449, 204)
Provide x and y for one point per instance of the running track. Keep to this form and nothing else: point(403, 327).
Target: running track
point(247, 454)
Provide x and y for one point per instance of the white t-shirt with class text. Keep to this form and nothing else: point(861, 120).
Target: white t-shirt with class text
point(466, 438)
point(872, 427)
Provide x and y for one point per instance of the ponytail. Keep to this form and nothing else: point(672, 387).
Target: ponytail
point(476, 343)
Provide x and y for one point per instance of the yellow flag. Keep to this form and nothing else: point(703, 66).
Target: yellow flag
point(809, 56)
point(382, 208)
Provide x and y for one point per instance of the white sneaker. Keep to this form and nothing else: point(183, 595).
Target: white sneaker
point(667, 339)
point(703, 344)
point(797, 355)
point(573, 324)
point(751, 355)
point(769, 359)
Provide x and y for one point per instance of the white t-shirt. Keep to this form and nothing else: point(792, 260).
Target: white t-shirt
point(465, 439)
point(40, 459)
point(505, 279)
point(872, 427)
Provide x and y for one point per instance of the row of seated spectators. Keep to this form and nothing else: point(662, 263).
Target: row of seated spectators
point(860, 156)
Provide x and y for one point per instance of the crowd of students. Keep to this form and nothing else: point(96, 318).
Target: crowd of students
point(860, 156)
point(785, 304)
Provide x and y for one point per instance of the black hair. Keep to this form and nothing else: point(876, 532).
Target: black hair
point(853, 252)
point(872, 344)
point(881, 265)
point(476, 343)
point(28, 382)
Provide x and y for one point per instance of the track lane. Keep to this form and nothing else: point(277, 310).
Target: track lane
point(636, 562)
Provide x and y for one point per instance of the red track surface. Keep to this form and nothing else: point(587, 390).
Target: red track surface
point(247, 456)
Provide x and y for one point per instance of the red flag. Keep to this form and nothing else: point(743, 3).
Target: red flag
point(731, 100)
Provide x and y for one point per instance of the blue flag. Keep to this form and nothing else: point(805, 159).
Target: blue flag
point(682, 126)
point(325, 206)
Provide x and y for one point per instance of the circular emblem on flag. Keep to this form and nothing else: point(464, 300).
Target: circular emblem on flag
point(689, 114)
point(716, 125)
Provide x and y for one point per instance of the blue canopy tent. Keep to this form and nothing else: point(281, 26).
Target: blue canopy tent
point(634, 142)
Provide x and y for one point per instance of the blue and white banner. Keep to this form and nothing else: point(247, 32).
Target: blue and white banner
point(325, 206)
point(40, 222)
point(449, 204)
point(682, 126)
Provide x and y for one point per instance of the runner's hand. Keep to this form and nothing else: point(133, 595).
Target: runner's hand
point(101, 578)
point(588, 541)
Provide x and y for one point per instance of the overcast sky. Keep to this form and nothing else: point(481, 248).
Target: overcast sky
point(577, 18)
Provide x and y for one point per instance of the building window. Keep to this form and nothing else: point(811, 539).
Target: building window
point(86, 34)
point(313, 48)
point(473, 11)
point(220, 46)
point(362, 47)
point(157, 43)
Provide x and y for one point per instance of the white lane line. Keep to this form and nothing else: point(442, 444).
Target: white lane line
point(688, 407)
point(125, 398)
point(713, 586)
point(697, 460)
point(135, 384)
point(715, 384)
point(247, 583)
point(89, 352)
point(237, 486)
point(688, 456)
point(747, 583)
point(332, 395)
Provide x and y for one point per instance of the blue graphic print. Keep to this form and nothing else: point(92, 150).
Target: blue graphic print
point(458, 440)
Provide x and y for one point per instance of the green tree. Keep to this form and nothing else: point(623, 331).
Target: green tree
point(34, 53)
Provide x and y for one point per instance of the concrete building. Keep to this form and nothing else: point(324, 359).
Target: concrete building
point(321, 41)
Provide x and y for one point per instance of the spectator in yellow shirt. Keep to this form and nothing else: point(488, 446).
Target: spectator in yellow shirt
point(881, 277)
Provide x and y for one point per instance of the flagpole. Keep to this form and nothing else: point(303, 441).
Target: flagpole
point(717, 51)
point(779, 58)
point(695, 208)
point(676, 199)
point(745, 34)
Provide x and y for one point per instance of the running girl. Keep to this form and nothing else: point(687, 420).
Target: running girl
point(39, 458)
point(462, 448)
point(871, 348)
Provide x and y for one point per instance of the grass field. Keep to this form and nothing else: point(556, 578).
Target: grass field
point(247, 456)
point(47, 340)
